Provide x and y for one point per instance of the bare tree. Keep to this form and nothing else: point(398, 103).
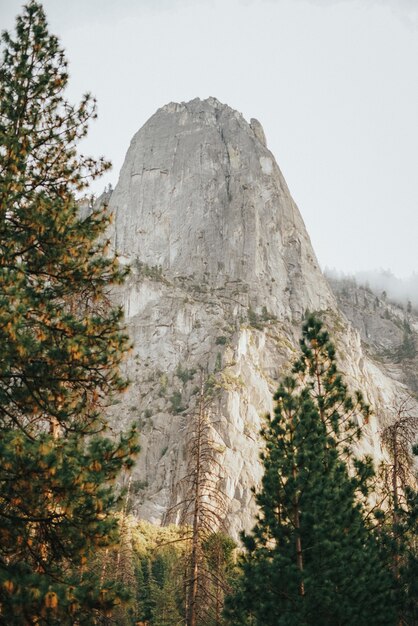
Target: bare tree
point(399, 438)
point(202, 507)
point(399, 521)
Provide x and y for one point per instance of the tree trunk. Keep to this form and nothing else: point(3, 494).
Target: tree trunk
point(194, 561)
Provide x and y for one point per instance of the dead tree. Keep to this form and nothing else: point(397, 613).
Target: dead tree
point(400, 521)
point(202, 509)
point(399, 438)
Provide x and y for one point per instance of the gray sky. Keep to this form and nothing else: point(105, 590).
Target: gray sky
point(334, 83)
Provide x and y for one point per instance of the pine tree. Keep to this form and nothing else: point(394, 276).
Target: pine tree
point(61, 345)
point(143, 587)
point(311, 557)
point(166, 588)
point(219, 551)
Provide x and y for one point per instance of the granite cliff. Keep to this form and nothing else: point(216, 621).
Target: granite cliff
point(387, 327)
point(223, 272)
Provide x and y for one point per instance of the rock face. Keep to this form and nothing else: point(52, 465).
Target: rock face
point(222, 273)
point(202, 197)
point(388, 330)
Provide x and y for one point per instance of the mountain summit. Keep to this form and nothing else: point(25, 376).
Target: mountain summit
point(201, 196)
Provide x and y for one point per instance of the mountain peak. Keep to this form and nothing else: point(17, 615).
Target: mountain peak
point(198, 105)
point(201, 196)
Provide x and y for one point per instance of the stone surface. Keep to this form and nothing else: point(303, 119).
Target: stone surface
point(222, 273)
point(388, 330)
point(202, 197)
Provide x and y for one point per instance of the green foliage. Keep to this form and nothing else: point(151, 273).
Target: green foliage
point(409, 569)
point(61, 345)
point(398, 522)
point(155, 272)
point(254, 319)
point(407, 349)
point(260, 320)
point(218, 362)
point(219, 551)
point(311, 557)
point(145, 602)
point(398, 531)
point(166, 588)
point(138, 485)
point(176, 402)
point(161, 556)
point(402, 552)
point(185, 374)
point(210, 384)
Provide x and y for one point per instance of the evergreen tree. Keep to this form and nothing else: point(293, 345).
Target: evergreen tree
point(408, 552)
point(219, 551)
point(311, 557)
point(166, 588)
point(61, 345)
point(144, 587)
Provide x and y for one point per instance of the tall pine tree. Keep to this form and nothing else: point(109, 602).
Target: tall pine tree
point(311, 557)
point(61, 345)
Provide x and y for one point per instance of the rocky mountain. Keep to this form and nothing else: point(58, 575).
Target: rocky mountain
point(388, 329)
point(223, 272)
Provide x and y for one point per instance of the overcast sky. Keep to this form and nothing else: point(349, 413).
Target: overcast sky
point(333, 82)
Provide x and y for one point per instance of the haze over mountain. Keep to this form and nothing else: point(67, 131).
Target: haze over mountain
point(400, 290)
